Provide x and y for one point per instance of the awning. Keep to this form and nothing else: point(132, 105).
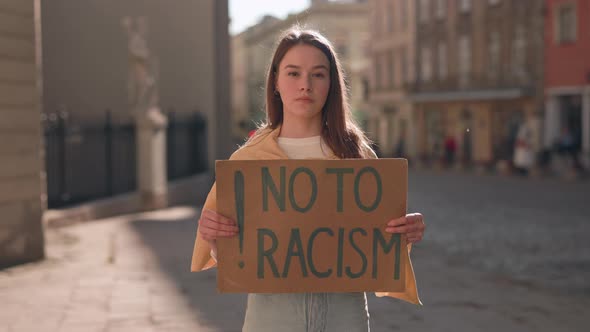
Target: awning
point(468, 95)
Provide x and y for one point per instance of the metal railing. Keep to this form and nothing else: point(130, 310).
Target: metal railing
point(84, 162)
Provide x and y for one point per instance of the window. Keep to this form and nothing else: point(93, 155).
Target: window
point(565, 23)
point(519, 52)
point(404, 65)
point(494, 54)
point(442, 61)
point(391, 68)
point(342, 50)
point(388, 15)
point(424, 10)
point(464, 6)
point(396, 15)
point(376, 22)
point(365, 89)
point(384, 16)
point(404, 14)
point(464, 65)
point(441, 8)
point(366, 48)
point(377, 62)
point(426, 66)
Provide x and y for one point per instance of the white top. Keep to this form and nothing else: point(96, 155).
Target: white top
point(299, 312)
point(304, 148)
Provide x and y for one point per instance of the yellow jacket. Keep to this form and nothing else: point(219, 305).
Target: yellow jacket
point(265, 146)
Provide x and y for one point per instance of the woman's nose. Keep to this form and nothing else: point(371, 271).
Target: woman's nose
point(306, 85)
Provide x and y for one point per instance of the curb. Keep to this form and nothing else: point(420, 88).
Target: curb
point(188, 191)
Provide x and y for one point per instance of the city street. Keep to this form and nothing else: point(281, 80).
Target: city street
point(500, 254)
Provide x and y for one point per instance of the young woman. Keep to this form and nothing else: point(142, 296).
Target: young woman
point(308, 116)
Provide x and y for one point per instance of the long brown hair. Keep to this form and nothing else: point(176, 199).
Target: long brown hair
point(339, 130)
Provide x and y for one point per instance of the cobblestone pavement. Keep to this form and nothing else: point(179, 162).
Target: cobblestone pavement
point(535, 230)
point(500, 254)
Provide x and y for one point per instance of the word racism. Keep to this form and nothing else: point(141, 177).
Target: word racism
point(307, 221)
point(295, 248)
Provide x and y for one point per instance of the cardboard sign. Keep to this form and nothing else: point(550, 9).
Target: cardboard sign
point(312, 225)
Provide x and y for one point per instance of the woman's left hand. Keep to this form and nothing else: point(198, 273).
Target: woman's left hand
point(412, 225)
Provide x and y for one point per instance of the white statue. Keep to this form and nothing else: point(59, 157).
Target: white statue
point(150, 121)
point(143, 66)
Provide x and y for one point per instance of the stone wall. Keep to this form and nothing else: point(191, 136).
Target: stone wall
point(21, 167)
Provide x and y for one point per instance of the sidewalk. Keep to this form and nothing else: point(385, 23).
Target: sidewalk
point(131, 273)
point(557, 170)
point(116, 274)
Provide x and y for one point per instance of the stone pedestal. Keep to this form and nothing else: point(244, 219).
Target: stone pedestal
point(152, 181)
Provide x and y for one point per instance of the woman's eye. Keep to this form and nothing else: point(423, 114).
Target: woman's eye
point(293, 73)
point(320, 75)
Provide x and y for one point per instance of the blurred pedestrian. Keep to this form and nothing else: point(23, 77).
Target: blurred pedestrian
point(524, 155)
point(400, 148)
point(450, 150)
point(568, 147)
point(308, 116)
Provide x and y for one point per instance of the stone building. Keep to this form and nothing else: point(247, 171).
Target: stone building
point(392, 52)
point(479, 66)
point(22, 188)
point(567, 79)
point(71, 56)
point(85, 60)
point(344, 23)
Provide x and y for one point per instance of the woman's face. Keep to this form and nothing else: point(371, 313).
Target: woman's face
point(303, 81)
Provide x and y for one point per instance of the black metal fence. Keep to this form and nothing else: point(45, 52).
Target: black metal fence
point(186, 145)
point(89, 161)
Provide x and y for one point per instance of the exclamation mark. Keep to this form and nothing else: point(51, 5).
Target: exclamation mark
point(239, 196)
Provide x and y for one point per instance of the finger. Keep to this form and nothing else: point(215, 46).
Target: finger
point(397, 222)
point(415, 218)
point(213, 215)
point(218, 218)
point(205, 223)
point(407, 228)
point(398, 229)
point(407, 219)
point(414, 239)
point(216, 225)
point(217, 235)
point(214, 234)
point(416, 229)
point(415, 235)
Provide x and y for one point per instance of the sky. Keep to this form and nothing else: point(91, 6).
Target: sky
point(245, 13)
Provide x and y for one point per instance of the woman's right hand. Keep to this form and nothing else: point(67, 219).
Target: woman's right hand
point(213, 225)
